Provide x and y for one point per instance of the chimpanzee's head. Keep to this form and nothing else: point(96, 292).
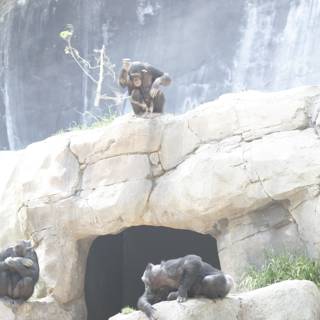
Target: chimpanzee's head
point(22, 247)
point(136, 79)
point(152, 276)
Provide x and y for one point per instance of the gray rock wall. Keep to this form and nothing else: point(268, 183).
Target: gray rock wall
point(209, 48)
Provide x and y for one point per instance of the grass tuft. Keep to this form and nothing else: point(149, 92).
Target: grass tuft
point(279, 268)
point(99, 123)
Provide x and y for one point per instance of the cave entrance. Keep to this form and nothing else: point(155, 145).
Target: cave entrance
point(116, 263)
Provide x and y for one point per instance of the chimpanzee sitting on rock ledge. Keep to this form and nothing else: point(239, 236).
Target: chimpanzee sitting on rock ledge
point(179, 279)
point(19, 272)
point(143, 82)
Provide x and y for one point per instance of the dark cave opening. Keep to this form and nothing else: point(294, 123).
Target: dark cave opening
point(116, 263)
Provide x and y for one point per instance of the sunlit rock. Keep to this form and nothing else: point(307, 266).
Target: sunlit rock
point(244, 169)
point(294, 300)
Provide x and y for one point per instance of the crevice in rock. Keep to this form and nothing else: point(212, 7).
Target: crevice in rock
point(186, 157)
point(220, 147)
point(156, 168)
point(276, 226)
point(152, 179)
point(259, 180)
point(263, 187)
point(241, 306)
point(94, 156)
point(267, 219)
point(299, 233)
point(313, 112)
point(101, 151)
point(165, 126)
point(192, 131)
point(298, 205)
point(21, 219)
point(81, 167)
point(162, 168)
point(245, 166)
point(39, 235)
point(121, 154)
point(108, 185)
point(73, 153)
point(23, 205)
point(48, 199)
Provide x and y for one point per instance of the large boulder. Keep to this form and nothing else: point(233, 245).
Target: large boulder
point(294, 300)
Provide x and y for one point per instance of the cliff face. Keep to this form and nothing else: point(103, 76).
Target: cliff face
point(43, 89)
point(209, 48)
point(244, 169)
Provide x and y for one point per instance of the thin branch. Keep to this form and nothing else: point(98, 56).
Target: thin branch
point(103, 63)
point(99, 84)
point(79, 64)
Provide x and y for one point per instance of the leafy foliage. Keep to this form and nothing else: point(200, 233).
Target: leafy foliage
point(282, 267)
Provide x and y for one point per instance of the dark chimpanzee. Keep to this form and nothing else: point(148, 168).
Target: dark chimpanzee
point(143, 82)
point(19, 271)
point(179, 279)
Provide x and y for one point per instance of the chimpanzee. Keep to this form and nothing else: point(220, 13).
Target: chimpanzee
point(179, 279)
point(143, 82)
point(19, 271)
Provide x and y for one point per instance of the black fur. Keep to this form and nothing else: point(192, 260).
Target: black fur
point(142, 98)
point(19, 271)
point(179, 279)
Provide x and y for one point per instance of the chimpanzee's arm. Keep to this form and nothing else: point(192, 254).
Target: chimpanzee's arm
point(9, 252)
point(123, 78)
point(25, 266)
point(145, 303)
point(191, 270)
point(22, 266)
point(160, 78)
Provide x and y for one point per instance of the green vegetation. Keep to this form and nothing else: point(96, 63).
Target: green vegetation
point(101, 122)
point(98, 123)
point(127, 310)
point(282, 267)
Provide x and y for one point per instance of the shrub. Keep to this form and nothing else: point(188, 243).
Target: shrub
point(279, 268)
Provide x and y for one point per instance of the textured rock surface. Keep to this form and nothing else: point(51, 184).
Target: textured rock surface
point(244, 168)
point(294, 300)
point(6, 312)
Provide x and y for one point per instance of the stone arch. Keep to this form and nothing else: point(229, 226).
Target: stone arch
point(116, 263)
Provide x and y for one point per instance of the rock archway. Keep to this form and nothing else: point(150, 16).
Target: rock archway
point(244, 168)
point(116, 262)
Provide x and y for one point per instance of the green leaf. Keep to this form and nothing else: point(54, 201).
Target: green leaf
point(65, 35)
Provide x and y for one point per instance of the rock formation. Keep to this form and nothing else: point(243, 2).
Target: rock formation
point(244, 168)
point(294, 300)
